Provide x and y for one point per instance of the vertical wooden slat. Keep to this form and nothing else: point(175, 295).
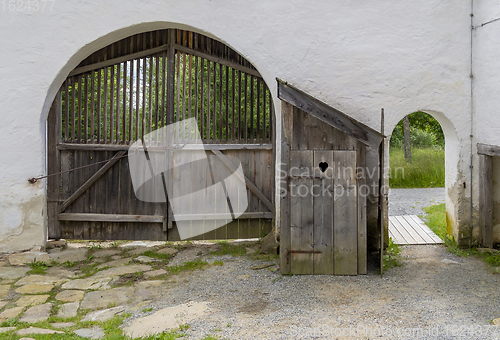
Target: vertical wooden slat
point(202, 99)
point(92, 107)
point(54, 127)
point(190, 88)
point(220, 117)
point(265, 136)
point(233, 102)
point(362, 194)
point(170, 77)
point(99, 94)
point(184, 101)
point(252, 104)
point(214, 116)
point(74, 123)
point(245, 98)
point(131, 103)
point(150, 98)
point(486, 200)
point(209, 82)
point(124, 103)
point(112, 104)
point(163, 89)
point(86, 109)
point(301, 210)
point(345, 236)
point(137, 99)
point(240, 131)
point(178, 87)
point(105, 108)
point(157, 90)
point(226, 97)
point(257, 127)
point(196, 89)
point(117, 118)
point(66, 110)
point(144, 86)
point(271, 117)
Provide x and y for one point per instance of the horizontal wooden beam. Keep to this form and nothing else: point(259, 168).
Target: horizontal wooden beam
point(115, 147)
point(329, 115)
point(128, 57)
point(201, 217)
point(87, 217)
point(488, 149)
point(84, 217)
point(218, 60)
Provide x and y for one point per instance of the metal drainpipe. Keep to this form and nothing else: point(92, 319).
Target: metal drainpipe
point(471, 116)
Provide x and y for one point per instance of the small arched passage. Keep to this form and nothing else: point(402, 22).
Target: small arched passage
point(451, 160)
point(123, 93)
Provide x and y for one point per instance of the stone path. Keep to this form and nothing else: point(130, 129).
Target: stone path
point(51, 292)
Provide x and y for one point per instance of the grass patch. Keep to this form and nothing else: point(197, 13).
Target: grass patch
point(218, 263)
point(38, 267)
point(190, 266)
point(436, 220)
point(156, 255)
point(426, 170)
point(392, 256)
point(226, 248)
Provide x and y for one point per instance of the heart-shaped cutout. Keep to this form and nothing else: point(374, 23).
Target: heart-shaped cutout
point(323, 166)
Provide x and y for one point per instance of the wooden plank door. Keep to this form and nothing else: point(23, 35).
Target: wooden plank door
point(324, 216)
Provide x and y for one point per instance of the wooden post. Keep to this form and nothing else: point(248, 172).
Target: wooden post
point(170, 110)
point(381, 194)
point(486, 200)
point(54, 127)
point(407, 138)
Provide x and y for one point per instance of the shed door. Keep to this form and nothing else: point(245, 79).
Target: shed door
point(324, 212)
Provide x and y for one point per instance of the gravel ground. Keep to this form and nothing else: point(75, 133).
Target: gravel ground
point(411, 201)
point(434, 295)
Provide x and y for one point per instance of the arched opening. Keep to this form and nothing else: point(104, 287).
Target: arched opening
point(421, 156)
point(126, 93)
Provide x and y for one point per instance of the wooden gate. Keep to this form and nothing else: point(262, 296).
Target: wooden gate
point(135, 86)
point(324, 210)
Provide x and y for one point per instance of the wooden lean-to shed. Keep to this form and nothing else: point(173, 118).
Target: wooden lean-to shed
point(330, 174)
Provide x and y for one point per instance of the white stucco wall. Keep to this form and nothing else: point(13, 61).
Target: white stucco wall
point(358, 56)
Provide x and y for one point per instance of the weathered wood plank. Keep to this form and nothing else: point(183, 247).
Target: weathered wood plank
point(285, 229)
point(362, 192)
point(488, 149)
point(301, 210)
point(345, 218)
point(323, 212)
point(417, 239)
point(328, 114)
point(486, 200)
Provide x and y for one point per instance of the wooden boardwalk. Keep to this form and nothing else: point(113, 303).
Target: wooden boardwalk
point(410, 229)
